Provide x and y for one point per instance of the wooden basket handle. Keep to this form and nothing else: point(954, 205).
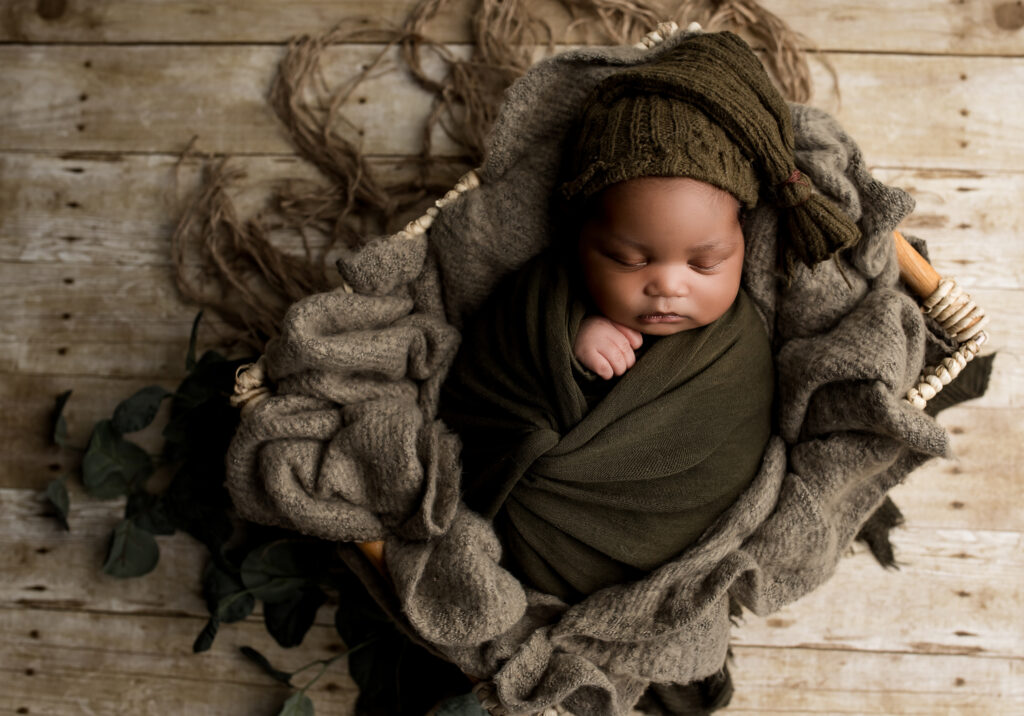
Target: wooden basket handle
point(374, 551)
point(915, 271)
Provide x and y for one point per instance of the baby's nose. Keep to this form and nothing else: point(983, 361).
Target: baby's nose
point(669, 283)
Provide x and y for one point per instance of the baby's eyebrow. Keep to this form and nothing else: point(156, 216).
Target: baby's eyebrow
point(712, 245)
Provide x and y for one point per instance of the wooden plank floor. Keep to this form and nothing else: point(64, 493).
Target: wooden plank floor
point(101, 96)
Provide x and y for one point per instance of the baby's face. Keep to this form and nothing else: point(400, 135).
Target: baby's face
point(662, 254)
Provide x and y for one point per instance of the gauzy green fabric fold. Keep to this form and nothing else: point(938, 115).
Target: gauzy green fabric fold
point(582, 499)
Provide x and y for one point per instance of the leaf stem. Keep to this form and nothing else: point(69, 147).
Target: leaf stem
point(324, 663)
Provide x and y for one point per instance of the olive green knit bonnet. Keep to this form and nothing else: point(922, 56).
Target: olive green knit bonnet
point(707, 110)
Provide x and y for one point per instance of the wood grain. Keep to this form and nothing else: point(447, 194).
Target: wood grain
point(101, 97)
point(86, 636)
point(905, 110)
point(967, 581)
point(109, 208)
point(906, 26)
point(58, 663)
point(75, 662)
point(833, 682)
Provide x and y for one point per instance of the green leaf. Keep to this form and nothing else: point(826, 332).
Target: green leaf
point(133, 552)
point(288, 621)
point(57, 494)
point(205, 639)
point(212, 375)
point(202, 420)
point(464, 705)
point(190, 357)
point(283, 676)
point(149, 513)
point(60, 425)
point(198, 503)
point(394, 675)
point(226, 596)
point(298, 705)
point(358, 619)
point(112, 465)
point(138, 411)
point(275, 572)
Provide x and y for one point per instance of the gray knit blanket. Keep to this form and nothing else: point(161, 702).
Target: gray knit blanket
point(348, 446)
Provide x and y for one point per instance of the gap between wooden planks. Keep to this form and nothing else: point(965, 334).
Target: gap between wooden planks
point(904, 110)
point(88, 208)
point(905, 26)
point(969, 583)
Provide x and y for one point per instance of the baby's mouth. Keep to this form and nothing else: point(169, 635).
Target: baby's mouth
point(659, 317)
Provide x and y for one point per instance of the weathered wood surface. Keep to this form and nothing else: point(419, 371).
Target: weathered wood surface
point(119, 208)
point(101, 97)
point(973, 577)
point(85, 661)
point(907, 26)
point(936, 111)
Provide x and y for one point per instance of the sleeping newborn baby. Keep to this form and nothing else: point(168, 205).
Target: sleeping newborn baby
point(614, 395)
point(593, 480)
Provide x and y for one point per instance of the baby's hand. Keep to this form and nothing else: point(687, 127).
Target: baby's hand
point(606, 347)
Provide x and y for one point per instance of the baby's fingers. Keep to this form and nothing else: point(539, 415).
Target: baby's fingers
point(602, 366)
point(635, 337)
point(620, 359)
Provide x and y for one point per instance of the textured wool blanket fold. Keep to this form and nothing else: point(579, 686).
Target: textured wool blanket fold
point(585, 498)
point(349, 446)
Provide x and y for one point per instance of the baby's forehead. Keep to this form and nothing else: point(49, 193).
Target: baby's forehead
point(654, 205)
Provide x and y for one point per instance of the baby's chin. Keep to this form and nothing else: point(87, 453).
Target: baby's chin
point(665, 330)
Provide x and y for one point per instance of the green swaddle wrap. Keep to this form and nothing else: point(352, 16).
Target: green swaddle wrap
point(582, 499)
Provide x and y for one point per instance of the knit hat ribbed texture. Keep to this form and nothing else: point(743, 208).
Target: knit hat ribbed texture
point(705, 109)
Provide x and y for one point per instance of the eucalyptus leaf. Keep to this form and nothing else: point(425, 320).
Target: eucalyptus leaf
point(60, 425)
point(202, 421)
point(226, 596)
point(201, 425)
point(149, 513)
point(208, 378)
point(133, 552)
point(112, 465)
point(205, 639)
point(198, 503)
point(57, 494)
point(394, 675)
point(289, 620)
point(138, 411)
point(464, 705)
point(275, 572)
point(297, 705)
point(283, 676)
